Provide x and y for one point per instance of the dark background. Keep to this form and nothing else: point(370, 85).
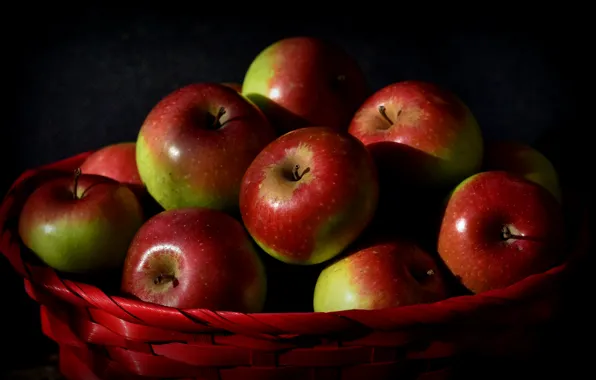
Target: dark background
point(86, 79)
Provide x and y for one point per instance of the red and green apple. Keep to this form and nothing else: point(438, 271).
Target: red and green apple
point(420, 134)
point(309, 194)
point(522, 159)
point(384, 274)
point(195, 258)
point(82, 224)
point(116, 161)
point(196, 143)
point(305, 81)
point(499, 228)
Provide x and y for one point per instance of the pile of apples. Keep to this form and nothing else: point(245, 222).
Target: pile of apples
point(393, 196)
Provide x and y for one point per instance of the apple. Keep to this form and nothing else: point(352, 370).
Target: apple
point(195, 145)
point(522, 159)
point(309, 194)
point(234, 85)
point(499, 228)
point(82, 224)
point(195, 258)
point(384, 274)
point(116, 161)
point(305, 81)
point(419, 134)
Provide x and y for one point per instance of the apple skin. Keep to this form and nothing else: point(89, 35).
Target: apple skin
point(210, 256)
point(470, 239)
point(233, 85)
point(305, 81)
point(116, 161)
point(433, 138)
point(310, 220)
point(88, 234)
point(185, 160)
point(522, 159)
point(382, 275)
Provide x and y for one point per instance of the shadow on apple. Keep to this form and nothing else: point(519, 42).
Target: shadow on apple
point(409, 206)
point(150, 206)
point(384, 230)
point(280, 117)
point(407, 201)
point(290, 288)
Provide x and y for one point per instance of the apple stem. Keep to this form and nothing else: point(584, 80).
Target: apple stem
point(506, 235)
point(383, 113)
point(163, 278)
point(77, 174)
point(296, 175)
point(220, 113)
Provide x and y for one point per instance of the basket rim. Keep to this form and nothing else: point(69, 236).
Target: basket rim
point(435, 312)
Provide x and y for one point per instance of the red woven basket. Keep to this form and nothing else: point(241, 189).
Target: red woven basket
point(104, 336)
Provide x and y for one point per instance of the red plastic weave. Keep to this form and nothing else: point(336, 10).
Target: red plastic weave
point(104, 336)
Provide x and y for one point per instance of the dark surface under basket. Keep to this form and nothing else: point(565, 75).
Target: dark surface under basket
point(106, 336)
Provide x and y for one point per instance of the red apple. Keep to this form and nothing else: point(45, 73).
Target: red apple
point(499, 228)
point(116, 161)
point(80, 225)
point(305, 81)
point(196, 143)
point(420, 134)
point(233, 85)
point(382, 275)
point(524, 160)
point(309, 194)
point(195, 258)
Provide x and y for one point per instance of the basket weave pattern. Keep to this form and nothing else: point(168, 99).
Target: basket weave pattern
point(105, 336)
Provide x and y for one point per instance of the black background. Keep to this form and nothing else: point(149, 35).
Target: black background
point(82, 80)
